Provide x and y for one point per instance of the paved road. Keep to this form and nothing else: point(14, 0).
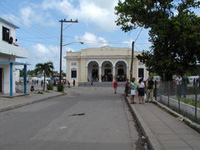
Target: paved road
point(53, 125)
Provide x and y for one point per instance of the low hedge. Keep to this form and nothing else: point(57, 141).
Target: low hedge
point(60, 87)
point(49, 86)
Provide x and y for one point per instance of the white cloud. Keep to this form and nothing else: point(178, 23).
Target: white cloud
point(92, 40)
point(30, 15)
point(128, 43)
point(27, 15)
point(41, 50)
point(40, 53)
point(100, 13)
point(68, 49)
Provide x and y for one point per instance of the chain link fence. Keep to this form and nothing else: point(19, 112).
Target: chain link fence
point(182, 98)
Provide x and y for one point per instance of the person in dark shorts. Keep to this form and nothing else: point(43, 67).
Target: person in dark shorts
point(150, 84)
point(141, 91)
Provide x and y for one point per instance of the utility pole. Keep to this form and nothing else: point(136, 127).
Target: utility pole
point(132, 57)
point(61, 41)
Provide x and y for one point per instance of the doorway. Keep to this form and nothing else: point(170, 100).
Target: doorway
point(1, 80)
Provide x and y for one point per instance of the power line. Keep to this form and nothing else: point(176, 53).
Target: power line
point(139, 34)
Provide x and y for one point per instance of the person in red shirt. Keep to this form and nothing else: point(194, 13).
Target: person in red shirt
point(115, 86)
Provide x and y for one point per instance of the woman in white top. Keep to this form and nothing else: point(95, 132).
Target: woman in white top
point(133, 88)
point(141, 91)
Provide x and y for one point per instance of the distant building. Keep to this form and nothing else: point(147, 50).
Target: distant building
point(9, 52)
point(103, 64)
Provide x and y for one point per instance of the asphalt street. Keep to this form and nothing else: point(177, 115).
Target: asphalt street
point(86, 119)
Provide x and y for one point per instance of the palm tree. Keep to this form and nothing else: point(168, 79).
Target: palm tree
point(46, 69)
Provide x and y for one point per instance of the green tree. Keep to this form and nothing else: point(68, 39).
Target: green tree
point(31, 73)
point(46, 69)
point(174, 32)
point(21, 72)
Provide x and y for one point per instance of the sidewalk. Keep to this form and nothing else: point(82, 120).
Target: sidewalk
point(15, 102)
point(164, 131)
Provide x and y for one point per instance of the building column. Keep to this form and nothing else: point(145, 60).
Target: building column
point(100, 74)
point(25, 76)
point(114, 74)
point(11, 79)
point(128, 73)
point(86, 73)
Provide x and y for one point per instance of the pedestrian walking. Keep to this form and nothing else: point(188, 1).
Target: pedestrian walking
point(150, 84)
point(115, 84)
point(74, 82)
point(133, 87)
point(141, 91)
point(68, 84)
point(127, 87)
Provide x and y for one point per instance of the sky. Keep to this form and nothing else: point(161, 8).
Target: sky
point(39, 27)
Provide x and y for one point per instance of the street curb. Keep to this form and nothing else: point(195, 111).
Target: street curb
point(187, 121)
point(152, 141)
point(28, 103)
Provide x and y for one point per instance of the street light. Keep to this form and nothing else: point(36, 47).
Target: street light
point(72, 43)
point(61, 56)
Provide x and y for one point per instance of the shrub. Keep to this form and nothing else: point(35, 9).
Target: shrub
point(49, 86)
point(60, 87)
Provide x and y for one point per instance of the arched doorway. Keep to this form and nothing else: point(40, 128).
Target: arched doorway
point(107, 75)
point(121, 71)
point(93, 71)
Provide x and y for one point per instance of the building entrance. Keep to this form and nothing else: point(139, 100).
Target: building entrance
point(95, 75)
point(1, 80)
point(93, 71)
point(121, 71)
point(107, 71)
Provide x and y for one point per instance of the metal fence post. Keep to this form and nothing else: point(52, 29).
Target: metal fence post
point(168, 92)
point(196, 102)
point(179, 98)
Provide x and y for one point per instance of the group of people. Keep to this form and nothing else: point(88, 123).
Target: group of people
point(143, 88)
point(68, 83)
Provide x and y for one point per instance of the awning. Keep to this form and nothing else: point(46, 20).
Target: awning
point(13, 62)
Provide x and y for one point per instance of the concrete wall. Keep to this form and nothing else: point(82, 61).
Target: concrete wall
point(183, 106)
point(6, 78)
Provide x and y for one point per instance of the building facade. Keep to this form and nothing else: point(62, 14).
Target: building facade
point(104, 64)
point(9, 52)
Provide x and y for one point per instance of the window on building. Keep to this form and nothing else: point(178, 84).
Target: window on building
point(73, 63)
point(5, 34)
point(140, 62)
point(73, 74)
point(141, 72)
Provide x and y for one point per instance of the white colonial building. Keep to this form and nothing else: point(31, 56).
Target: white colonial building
point(9, 52)
point(103, 64)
